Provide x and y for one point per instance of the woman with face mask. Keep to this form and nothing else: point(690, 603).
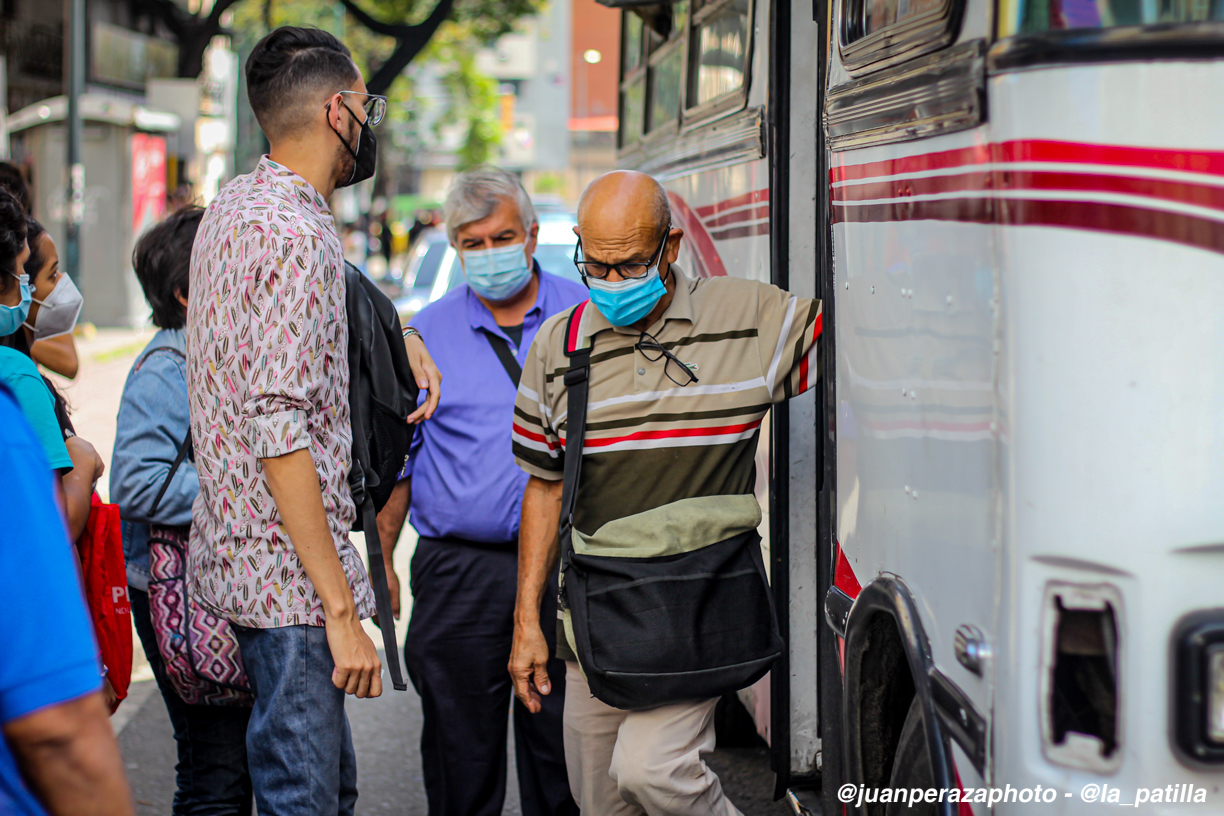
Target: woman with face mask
point(75, 462)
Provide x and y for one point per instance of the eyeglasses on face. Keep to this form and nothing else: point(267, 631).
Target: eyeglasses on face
point(631, 269)
point(375, 106)
point(676, 369)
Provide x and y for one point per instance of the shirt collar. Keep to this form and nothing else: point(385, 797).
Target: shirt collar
point(680, 308)
point(479, 315)
point(292, 185)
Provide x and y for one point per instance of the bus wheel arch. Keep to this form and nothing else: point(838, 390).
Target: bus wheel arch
point(888, 665)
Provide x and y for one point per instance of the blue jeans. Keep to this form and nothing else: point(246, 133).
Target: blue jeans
point(299, 746)
point(211, 774)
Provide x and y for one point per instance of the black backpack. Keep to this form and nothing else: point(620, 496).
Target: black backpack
point(382, 393)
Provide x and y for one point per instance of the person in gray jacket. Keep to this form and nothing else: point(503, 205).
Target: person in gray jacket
point(153, 421)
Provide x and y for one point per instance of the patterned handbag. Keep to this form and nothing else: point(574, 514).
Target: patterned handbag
point(201, 654)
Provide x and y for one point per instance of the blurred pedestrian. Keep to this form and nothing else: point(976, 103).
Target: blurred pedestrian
point(267, 376)
point(464, 491)
point(211, 774)
point(58, 754)
point(681, 374)
point(55, 352)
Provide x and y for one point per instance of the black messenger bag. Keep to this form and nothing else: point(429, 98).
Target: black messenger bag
point(653, 631)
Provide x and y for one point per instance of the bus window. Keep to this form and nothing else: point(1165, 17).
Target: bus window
point(633, 80)
point(632, 43)
point(878, 33)
point(1047, 15)
point(666, 78)
point(720, 52)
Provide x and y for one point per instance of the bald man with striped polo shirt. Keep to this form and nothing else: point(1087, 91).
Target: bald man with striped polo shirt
point(681, 376)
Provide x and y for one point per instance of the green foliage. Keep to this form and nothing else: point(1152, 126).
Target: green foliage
point(413, 122)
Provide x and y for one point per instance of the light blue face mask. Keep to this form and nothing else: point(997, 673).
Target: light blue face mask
point(11, 317)
point(627, 301)
point(497, 274)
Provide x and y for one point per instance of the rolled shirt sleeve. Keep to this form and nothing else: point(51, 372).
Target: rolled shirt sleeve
point(281, 383)
point(537, 446)
point(789, 332)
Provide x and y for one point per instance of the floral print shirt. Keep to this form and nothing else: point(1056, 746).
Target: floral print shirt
point(267, 374)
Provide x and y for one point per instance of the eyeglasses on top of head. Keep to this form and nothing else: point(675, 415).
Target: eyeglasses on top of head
point(654, 351)
point(375, 106)
point(632, 269)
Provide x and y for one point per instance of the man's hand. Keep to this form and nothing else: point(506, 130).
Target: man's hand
point(529, 665)
point(428, 377)
point(538, 548)
point(390, 525)
point(109, 697)
point(358, 670)
point(294, 485)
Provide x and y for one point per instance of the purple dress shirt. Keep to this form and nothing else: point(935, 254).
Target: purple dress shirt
point(465, 483)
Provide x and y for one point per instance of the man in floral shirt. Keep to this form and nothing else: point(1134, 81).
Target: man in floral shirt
point(267, 357)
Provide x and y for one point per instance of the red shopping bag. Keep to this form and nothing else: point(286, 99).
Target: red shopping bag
point(105, 577)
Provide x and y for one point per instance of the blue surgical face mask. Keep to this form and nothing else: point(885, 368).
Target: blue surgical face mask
point(11, 317)
point(627, 301)
point(499, 273)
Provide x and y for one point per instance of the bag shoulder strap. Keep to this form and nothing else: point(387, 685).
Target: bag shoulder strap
point(183, 452)
point(577, 382)
point(382, 592)
point(502, 349)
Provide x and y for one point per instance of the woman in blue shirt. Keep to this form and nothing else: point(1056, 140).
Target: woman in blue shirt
point(153, 422)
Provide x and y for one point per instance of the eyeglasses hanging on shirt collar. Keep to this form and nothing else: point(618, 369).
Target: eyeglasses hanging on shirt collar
point(375, 106)
point(654, 351)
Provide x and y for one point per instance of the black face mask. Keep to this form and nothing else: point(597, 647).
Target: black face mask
point(364, 157)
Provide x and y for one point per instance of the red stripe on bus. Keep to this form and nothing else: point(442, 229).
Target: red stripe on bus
point(708, 261)
point(1200, 195)
point(751, 214)
point(732, 203)
point(677, 433)
point(1179, 228)
point(741, 232)
point(843, 575)
point(1022, 150)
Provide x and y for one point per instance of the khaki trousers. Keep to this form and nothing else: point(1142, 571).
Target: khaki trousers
point(630, 763)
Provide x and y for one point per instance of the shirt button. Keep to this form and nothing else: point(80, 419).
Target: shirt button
point(641, 372)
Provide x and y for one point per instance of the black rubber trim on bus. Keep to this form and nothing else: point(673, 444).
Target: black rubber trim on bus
point(889, 596)
point(1164, 41)
point(964, 723)
point(837, 610)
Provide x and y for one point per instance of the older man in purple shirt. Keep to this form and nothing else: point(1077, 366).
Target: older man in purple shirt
point(464, 490)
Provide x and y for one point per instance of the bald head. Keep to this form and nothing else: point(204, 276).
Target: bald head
point(625, 200)
point(623, 218)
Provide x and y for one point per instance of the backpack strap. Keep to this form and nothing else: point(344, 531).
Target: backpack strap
point(382, 591)
point(502, 349)
point(577, 384)
point(183, 452)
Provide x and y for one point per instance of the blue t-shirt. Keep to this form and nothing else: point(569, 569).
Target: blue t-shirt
point(19, 373)
point(47, 650)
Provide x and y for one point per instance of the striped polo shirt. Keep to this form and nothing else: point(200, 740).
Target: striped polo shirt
point(650, 442)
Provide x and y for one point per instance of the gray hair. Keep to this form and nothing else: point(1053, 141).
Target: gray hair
point(476, 193)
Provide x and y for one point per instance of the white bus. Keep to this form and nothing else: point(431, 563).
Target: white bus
point(996, 531)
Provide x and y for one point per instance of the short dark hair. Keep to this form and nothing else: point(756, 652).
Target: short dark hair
point(291, 70)
point(162, 260)
point(12, 180)
point(12, 238)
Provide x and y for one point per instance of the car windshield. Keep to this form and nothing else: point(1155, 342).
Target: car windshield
point(558, 259)
point(1048, 15)
point(427, 270)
